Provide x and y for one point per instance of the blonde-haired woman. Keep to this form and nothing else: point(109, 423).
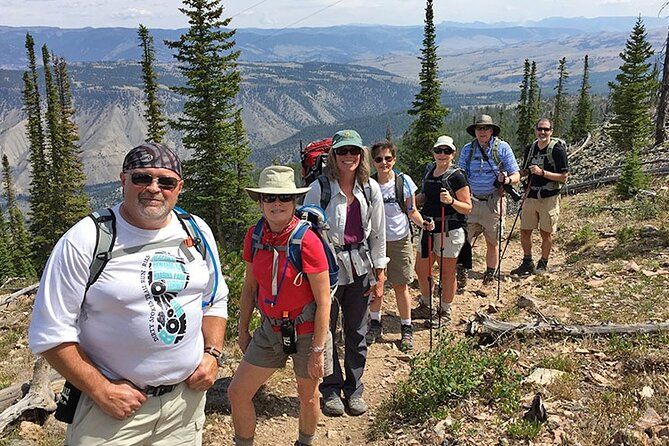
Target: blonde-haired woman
point(354, 207)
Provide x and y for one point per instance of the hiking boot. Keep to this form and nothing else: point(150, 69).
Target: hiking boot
point(333, 406)
point(542, 266)
point(357, 406)
point(406, 343)
point(374, 332)
point(439, 319)
point(461, 276)
point(422, 311)
point(299, 443)
point(488, 277)
point(525, 269)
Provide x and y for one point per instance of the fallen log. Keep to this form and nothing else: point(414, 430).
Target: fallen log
point(14, 393)
point(39, 399)
point(6, 299)
point(487, 327)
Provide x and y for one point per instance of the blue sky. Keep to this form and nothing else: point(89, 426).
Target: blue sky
point(293, 13)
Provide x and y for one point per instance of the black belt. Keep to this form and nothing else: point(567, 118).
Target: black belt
point(349, 247)
point(159, 390)
point(482, 197)
point(544, 193)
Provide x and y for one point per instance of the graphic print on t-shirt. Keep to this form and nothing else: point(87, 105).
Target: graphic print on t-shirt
point(163, 277)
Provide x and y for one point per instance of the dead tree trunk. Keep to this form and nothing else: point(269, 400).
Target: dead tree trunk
point(661, 115)
point(10, 297)
point(490, 329)
point(40, 397)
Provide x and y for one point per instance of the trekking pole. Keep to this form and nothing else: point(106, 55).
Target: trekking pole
point(499, 241)
point(515, 220)
point(441, 262)
point(429, 279)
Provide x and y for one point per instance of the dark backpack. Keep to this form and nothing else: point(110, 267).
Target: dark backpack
point(311, 217)
point(105, 223)
point(314, 158)
point(326, 192)
point(400, 199)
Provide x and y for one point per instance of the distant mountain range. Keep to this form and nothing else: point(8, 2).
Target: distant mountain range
point(338, 44)
point(304, 83)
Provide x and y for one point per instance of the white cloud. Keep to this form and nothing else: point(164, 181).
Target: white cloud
point(132, 13)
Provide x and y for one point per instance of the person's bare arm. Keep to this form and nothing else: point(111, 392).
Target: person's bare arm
point(204, 376)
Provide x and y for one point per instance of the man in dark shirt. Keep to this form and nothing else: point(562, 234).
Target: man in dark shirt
point(546, 169)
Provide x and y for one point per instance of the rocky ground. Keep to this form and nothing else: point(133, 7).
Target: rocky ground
point(610, 265)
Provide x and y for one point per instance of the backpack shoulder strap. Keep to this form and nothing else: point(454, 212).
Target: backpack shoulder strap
point(105, 236)
point(256, 237)
point(294, 252)
point(399, 191)
point(429, 167)
point(495, 151)
point(189, 225)
point(326, 191)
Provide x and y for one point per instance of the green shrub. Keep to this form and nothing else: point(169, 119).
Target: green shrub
point(451, 373)
point(233, 269)
point(585, 235)
point(523, 430)
point(645, 209)
point(625, 234)
point(632, 179)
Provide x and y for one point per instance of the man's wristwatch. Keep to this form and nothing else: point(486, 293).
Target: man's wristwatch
point(216, 353)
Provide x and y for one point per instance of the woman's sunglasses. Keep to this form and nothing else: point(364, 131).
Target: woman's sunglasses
point(345, 150)
point(271, 198)
point(446, 150)
point(144, 179)
point(380, 159)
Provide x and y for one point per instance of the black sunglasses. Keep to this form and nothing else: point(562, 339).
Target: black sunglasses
point(271, 198)
point(380, 159)
point(543, 129)
point(345, 150)
point(144, 179)
point(446, 150)
point(483, 127)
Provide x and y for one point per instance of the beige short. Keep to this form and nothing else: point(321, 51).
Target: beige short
point(400, 268)
point(265, 350)
point(542, 213)
point(452, 243)
point(484, 219)
point(175, 418)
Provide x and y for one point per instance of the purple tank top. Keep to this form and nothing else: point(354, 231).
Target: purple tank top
point(353, 232)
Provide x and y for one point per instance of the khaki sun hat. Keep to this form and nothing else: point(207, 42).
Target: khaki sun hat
point(483, 120)
point(445, 140)
point(276, 180)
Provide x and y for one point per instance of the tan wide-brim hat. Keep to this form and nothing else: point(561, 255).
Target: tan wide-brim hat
point(483, 120)
point(276, 180)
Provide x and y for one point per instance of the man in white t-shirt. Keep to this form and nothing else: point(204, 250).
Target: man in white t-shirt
point(142, 343)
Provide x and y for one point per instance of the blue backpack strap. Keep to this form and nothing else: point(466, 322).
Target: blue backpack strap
point(105, 236)
point(197, 235)
point(256, 237)
point(295, 244)
point(326, 191)
point(190, 226)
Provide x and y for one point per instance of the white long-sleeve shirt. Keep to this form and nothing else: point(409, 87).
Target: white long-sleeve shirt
point(373, 220)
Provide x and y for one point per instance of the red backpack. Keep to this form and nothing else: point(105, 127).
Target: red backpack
point(314, 159)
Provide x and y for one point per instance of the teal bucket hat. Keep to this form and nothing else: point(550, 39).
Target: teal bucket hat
point(347, 138)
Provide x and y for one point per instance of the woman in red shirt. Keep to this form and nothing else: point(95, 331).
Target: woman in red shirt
point(282, 294)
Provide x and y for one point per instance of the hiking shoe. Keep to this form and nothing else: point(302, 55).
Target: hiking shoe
point(299, 443)
point(525, 269)
point(439, 319)
point(357, 406)
point(461, 275)
point(374, 332)
point(542, 266)
point(422, 311)
point(488, 277)
point(406, 343)
point(333, 406)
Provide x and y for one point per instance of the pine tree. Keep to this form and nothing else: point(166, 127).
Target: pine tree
point(523, 113)
point(581, 122)
point(427, 106)
point(16, 233)
point(632, 93)
point(632, 178)
point(6, 258)
point(153, 115)
point(560, 106)
point(209, 64)
point(40, 206)
point(389, 132)
point(70, 204)
point(533, 101)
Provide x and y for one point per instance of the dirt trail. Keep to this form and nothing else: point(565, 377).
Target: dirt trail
point(277, 403)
